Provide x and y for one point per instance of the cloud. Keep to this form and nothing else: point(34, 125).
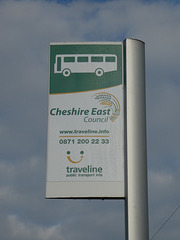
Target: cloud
point(30, 231)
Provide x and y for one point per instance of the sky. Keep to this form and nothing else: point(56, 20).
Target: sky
point(27, 27)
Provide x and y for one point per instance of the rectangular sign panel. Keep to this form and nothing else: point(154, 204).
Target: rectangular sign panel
point(85, 156)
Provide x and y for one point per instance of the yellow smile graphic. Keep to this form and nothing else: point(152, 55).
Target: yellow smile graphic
point(72, 161)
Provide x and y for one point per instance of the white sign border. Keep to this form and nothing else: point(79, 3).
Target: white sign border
point(89, 190)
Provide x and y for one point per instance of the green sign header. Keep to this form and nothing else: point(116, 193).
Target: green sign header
point(84, 67)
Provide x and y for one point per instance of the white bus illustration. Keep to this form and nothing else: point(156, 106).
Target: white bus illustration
point(85, 63)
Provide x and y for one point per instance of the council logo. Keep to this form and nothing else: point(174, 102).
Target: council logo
point(108, 100)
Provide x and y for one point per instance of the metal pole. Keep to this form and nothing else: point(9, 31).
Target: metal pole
point(136, 179)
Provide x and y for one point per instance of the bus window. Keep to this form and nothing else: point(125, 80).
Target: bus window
point(110, 59)
point(97, 59)
point(82, 59)
point(59, 64)
point(69, 59)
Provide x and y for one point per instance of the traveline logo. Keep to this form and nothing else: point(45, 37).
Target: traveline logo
point(88, 171)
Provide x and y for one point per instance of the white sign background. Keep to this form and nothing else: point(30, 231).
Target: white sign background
point(85, 148)
point(103, 150)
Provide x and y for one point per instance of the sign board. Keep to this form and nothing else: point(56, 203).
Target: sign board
point(85, 156)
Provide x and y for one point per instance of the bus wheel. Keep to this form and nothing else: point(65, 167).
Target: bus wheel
point(99, 72)
point(66, 72)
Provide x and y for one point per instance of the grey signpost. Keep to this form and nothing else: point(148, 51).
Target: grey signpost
point(136, 179)
point(97, 126)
